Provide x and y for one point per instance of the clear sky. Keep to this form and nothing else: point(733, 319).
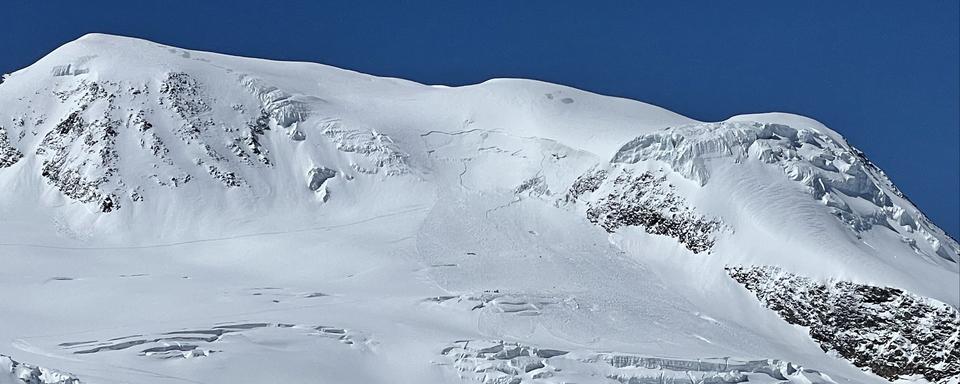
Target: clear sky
point(882, 73)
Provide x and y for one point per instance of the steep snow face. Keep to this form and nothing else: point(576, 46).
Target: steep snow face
point(127, 132)
point(332, 226)
point(857, 192)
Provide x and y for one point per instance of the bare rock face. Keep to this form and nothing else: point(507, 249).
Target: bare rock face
point(646, 201)
point(79, 155)
point(8, 154)
point(317, 181)
point(181, 127)
point(894, 334)
point(316, 177)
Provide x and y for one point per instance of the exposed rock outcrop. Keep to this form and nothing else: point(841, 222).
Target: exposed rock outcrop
point(894, 334)
point(9, 155)
point(646, 201)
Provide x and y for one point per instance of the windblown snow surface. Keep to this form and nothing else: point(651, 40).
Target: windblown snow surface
point(173, 216)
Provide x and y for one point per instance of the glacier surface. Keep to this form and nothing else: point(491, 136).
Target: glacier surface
point(176, 216)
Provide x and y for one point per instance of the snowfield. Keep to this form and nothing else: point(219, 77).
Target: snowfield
point(175, 216)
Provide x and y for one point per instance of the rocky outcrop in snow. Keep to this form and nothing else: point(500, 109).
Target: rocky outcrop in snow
point(161, 174)
point(316, 177)
point(317, 181)
point(893, 333)
point(79, 154)
point(182, 129)
point(647, 201)
point(9, 155)
point(833, 172)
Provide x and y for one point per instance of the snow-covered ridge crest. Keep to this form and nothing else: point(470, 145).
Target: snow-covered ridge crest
point(835, 173)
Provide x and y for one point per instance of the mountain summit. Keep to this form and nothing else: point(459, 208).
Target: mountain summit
point(180, 216)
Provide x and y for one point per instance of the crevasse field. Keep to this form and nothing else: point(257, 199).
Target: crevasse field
point(173, 216)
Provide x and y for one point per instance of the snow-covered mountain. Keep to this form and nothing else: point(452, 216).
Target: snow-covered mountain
point(178, 216)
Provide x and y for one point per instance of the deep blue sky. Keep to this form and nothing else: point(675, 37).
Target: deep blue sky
point(882, 73)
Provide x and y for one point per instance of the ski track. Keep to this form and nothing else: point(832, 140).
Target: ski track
point(226, 238)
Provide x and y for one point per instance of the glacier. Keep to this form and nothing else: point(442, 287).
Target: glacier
point(172, 216)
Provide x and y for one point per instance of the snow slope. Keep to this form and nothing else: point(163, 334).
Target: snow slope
point(180, 216)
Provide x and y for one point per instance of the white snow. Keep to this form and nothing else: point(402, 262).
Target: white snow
point(298, 223)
